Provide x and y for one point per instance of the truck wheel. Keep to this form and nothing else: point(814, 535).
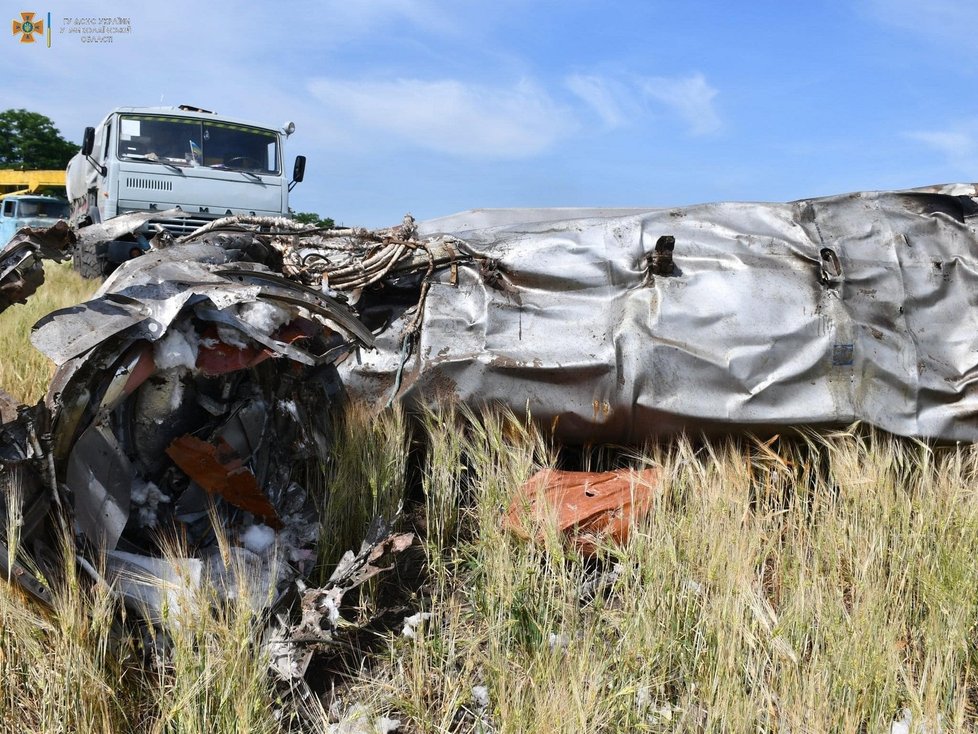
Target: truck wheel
point(85, 261)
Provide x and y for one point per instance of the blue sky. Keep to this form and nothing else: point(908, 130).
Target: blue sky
point(435, 107)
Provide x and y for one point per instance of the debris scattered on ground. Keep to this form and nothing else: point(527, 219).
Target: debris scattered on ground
point(480, 697)
point(599, 582)
point(558, 641)
point(654, 713)
point(587, 507)
point(480, 711)
point(21, 269)
point(413, 622)
point(292, 644)
point(905, 724)
point(195, 389)
point(357, 720)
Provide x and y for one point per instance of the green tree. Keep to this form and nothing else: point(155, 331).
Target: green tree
point(29, 140)
point(313, 218)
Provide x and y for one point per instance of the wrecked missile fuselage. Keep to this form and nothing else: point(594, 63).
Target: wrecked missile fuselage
point(191, 409)
point(186, 397)
point(193, 390)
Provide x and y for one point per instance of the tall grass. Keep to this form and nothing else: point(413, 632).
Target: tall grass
point(214, 675)
point(819, 584)
point(365, 478)
point(824, 584)
point(62, 670)
point(25, 372)
point(785, 586)
point(87, 666)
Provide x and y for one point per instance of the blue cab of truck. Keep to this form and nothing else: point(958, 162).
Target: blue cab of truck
point(18, 211)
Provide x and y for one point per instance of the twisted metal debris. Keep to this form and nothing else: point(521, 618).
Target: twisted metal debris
point(21, 267)
point(196, 385)
point(195, 389)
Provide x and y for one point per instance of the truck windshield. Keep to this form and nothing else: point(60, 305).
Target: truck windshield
point(35, 208)
point(183, 141)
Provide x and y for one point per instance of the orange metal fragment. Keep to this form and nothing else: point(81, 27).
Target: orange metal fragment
point(586, 506)
point(219, 470)
point(217, 358)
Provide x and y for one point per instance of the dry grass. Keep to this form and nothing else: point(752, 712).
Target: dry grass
point(25, 372)
point(365, 478)
point(82, 667)
point(59, 670)
point(212, 676)
point(823, 587)
point(817, 585)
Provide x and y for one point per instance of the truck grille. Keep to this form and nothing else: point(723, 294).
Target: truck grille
point(153, 184)
point(182, 226)
point(176, 227)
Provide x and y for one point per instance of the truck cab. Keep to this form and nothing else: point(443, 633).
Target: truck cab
point(29, 211)
point(145, 159)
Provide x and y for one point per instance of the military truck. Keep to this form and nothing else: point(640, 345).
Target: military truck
point(147, 159)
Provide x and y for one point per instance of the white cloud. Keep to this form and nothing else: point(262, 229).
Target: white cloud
point(958, 145)
point(601, 95)
point(621, 101)
point(950, 23)
point(946, 141)
point(447, 116)
point(690, 97)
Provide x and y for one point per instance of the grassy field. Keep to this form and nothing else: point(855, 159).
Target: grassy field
point(25, 372)
point(827, 583)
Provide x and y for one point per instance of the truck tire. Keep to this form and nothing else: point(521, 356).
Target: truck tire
point(85, 261)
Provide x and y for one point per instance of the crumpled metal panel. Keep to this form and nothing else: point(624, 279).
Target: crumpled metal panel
point(21, 270)
point(819, 311)
point(182, 393)
point(142, 300)
point(26, 488)
point(101, 475)
point(122, 225)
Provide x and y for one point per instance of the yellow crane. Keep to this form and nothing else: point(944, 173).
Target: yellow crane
point(30, 182)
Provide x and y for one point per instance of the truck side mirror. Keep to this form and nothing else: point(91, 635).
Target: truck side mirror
point(299, 171)
point(88, 145)
point(88, 142)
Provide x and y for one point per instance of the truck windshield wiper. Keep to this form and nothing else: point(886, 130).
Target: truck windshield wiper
point(222, 167)
point(147, 159)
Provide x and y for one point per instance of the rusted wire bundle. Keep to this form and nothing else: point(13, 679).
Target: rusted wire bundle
point(349, 260)
point(344, 260)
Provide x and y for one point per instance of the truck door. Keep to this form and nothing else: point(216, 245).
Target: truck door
point(108, 205)
point(8, 224)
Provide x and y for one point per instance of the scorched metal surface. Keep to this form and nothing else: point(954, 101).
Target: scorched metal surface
point(820, 311)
